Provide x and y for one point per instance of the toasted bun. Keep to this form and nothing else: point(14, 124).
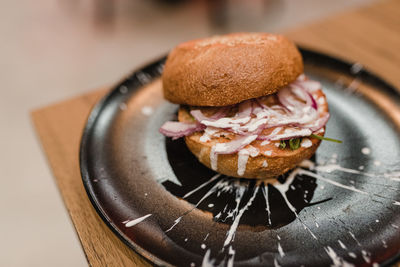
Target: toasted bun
point(228, 69)
point(279, 162)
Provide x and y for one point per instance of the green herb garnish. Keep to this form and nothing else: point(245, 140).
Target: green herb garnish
point(282, 145)
point(294, 143)
point(326, 138)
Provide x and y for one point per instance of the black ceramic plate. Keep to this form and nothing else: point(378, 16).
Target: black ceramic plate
point(171, 209)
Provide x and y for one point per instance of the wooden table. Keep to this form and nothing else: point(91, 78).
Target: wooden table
point(370, 36)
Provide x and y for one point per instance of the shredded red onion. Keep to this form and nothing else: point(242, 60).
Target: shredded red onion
point(307, 96)
point(313, 102)
point(221, 113)
point(283, 96)
point(199, 116)
point(245, 109)
point(321, 122)
point(177, 129)
point(255, 128)
point(256, 107)
point(310, 85)
point(298, 109)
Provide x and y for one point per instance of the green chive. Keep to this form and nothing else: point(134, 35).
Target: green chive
point(294, 143)
point(282, 145)
point(326, 138)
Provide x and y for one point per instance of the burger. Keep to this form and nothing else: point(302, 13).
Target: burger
point(246, 108)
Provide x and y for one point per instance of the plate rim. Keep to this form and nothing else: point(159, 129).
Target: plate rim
point(334, 62)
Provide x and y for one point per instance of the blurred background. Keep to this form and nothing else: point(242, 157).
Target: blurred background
point(52, 50)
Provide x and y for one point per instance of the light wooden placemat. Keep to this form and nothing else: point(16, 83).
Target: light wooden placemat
point(370, 36)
